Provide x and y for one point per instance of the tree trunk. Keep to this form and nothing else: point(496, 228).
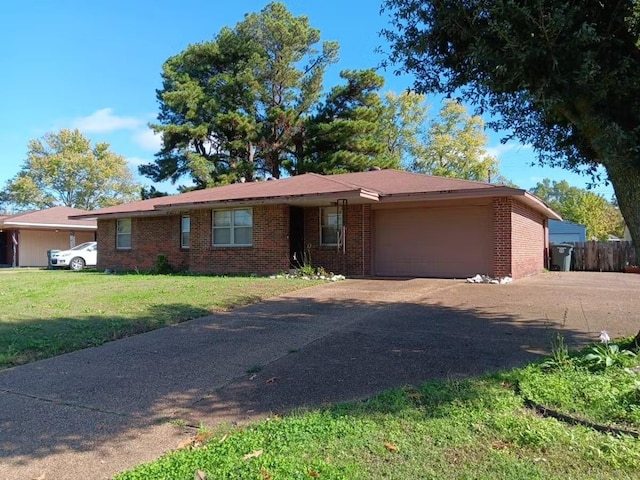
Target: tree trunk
point(625, 178)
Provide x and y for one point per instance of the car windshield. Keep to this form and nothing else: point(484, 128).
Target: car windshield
point(82, 246)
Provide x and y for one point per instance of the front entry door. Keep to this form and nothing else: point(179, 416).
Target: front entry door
point(3, 248)
point(296, 236)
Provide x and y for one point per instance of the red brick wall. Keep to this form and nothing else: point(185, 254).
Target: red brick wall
point(150, 236)
point(519, 239)
point(268, 255)
point(502, 258)
point(518, 242)
point(357, 259)
point(527, 241)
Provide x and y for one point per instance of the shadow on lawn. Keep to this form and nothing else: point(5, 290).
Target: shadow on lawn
point(311, 352)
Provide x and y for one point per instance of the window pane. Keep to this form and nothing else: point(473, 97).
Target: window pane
point(242, 218)
point(186, 224)
point(222, 218)
point(243, 235)
point(123, 241)
point(329, 236)
point(333, 219)
point(221, 236)
point(124, 225)
point(185, 239)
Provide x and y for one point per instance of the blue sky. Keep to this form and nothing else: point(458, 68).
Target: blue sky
point(96, 65)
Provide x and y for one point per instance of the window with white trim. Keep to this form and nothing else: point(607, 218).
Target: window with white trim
point(233, 228)
point(185, 231)
point(123, 233)
point(330, 225)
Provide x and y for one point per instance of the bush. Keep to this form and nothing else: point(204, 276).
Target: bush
point(163, 267)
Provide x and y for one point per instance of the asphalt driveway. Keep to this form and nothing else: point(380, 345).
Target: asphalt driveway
point(95, 412)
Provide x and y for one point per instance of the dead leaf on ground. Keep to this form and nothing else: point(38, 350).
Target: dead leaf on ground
point(265, 474)
point(185, 443)
point(271, 380)
point(200, 475)
point(313, 474)
point(254, 454)
point(224, 437)
point(391, 447)
point(414, 395)
point(500, 445)
point(202, 437)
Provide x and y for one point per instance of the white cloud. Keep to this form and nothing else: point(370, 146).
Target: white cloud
point(148, 139)
point(103, 121)
point(135, 162)
point(502, 148)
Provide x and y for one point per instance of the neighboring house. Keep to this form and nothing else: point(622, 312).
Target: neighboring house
point(376, 223)
point(26, 237)
point(566, 232)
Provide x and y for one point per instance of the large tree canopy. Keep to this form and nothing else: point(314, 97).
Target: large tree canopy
point(562, 76)
point(343, 135)
point(455, 146)
point(64, 169)
point(238, 105)
point(251, 103)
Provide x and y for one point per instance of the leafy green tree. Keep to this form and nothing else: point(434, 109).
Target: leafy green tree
point(600, 216)
point(151, 192)
point(561, 76)
point(343, 134)
point(455, 146)
point(402, 127)
point(64, 169)
point(238, 105)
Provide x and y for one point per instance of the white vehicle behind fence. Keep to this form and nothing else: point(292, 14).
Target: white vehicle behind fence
point(76, 258)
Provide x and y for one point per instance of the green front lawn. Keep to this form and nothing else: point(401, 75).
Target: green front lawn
point(480, 428)
point(47, 313)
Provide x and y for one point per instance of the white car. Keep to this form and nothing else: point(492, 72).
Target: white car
point(76, 258)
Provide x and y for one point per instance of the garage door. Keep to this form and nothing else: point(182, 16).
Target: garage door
point(452, 242)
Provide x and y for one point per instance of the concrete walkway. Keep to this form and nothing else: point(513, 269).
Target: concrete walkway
point(95, 412)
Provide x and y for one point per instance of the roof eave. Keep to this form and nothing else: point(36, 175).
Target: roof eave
point(361, 195)
point(450, 194)
point(50, 226)
point(134, 213)
point(537, 204)
point(497, 191)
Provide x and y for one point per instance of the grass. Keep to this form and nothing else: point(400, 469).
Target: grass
point(582, 386)
point(47, 313)
point(472, 429)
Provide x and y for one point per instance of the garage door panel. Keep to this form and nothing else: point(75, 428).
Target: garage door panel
point(433, 242)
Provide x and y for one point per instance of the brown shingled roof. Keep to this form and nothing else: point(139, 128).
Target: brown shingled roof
point(55, 217)
point(396, 182)
point(372, 186)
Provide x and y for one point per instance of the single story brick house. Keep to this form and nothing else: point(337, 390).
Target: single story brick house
point(26, 237)
point(375, 223)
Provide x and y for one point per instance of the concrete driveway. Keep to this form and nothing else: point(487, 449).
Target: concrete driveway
point(95, 412)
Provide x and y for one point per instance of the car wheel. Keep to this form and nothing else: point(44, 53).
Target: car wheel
point(76, 264)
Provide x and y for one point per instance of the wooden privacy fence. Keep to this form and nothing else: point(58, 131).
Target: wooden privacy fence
point(602, 256)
